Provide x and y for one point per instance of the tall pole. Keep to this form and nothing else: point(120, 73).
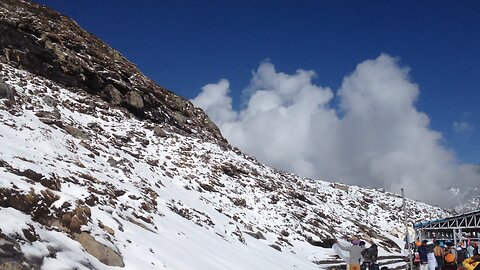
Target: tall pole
point(407, 236)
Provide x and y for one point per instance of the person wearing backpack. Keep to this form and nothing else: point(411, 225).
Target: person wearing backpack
point(439, 254)
point(452, 250)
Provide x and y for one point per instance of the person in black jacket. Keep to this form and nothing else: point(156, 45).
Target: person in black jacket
point(370, 256)
point(422, 252)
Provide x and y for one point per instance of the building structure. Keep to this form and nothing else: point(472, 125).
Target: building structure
point(455, 229)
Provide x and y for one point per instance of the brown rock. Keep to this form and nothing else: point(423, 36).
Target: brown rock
point(109, 230)
point(83, 213)
point(30, 198)
point(98, 250)
point(86, 211)
point(75, 132)
point(52, 183)
point(49, 196)
point(75, 224)
point(66, 219)
point(91, 200)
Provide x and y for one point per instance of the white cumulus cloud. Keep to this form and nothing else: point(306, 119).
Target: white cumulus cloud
point(376, 137)
point(215, 101)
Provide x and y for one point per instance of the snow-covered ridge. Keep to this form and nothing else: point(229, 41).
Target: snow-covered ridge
point(78, 175)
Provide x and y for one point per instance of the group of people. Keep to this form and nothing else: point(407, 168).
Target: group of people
point(361, 257)
point(439, 256)
point(431, 256)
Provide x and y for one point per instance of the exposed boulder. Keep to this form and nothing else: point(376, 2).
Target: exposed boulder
point(73, 220)
point(9, 248)
point(37, 205)
point(325, 243)
point(158, 131)
point(98, 250)
point(116, 98)
point(180, 118)
point(277, 247)
point(77, 133)
point(6, 91)
point(11, 255)
point(106, 228)
point(257, 235)
point(134, 99)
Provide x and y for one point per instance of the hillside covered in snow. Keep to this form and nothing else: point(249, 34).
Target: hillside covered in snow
point(100, 168)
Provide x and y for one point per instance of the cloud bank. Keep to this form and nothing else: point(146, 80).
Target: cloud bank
point(375, 137)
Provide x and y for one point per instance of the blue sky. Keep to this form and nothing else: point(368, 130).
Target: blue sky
point(184, 45)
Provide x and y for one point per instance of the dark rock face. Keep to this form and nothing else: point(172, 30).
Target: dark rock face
point(42, 41)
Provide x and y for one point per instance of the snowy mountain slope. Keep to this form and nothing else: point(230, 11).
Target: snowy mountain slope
point(100, 168)
point(78, 175)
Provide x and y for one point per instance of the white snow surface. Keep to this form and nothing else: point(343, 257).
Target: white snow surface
point(174, 202)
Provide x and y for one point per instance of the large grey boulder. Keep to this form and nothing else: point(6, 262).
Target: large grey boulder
point(115, 96)
point(158, 131)
point(134, 99)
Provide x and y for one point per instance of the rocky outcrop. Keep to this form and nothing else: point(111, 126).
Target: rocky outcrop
point(40, 40)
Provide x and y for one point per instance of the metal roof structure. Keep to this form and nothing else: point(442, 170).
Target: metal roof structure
point(456, 228)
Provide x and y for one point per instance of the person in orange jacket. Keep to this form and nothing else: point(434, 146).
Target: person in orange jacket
point(450, 262)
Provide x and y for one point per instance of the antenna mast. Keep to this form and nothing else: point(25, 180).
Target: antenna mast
point(407, 236)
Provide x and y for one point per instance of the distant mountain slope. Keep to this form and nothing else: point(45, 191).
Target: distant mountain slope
point(471, 198)
point(92, 179)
